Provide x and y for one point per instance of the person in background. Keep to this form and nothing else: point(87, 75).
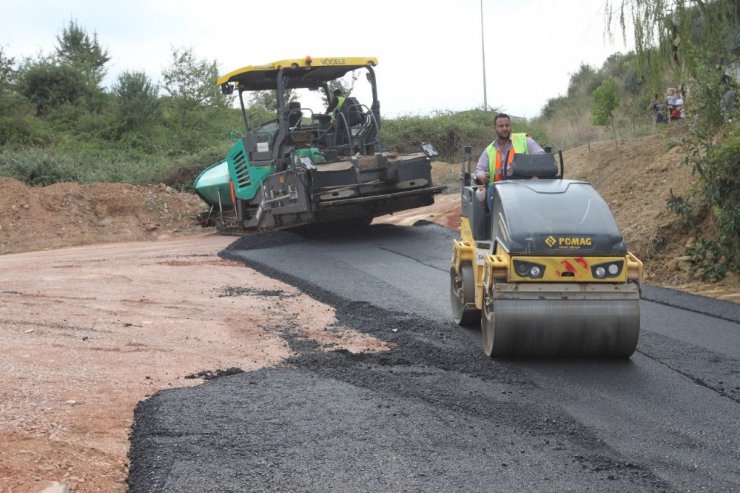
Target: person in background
point(494, 163)
point(678, 110)
point(670, 101)
point(335, 106)
point(657, 107)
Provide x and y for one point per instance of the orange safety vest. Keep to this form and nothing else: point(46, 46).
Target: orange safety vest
point(495, 167)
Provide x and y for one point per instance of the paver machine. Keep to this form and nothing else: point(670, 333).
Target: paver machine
point(544, 268)
point(305, 167)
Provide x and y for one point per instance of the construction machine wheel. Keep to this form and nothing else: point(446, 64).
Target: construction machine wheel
point(551, 327)
point(497, 341)
point(462, 296)
point(488, 326)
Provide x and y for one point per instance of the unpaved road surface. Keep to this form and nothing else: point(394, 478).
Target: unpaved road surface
point(431, 413)
point(87, 332)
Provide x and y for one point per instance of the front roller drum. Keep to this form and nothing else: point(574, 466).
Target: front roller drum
point(462, 296)
point(600, 322)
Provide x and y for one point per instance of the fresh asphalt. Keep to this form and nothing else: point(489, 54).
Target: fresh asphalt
point(433, 413)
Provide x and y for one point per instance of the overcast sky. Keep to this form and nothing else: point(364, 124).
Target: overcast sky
point(429, 51)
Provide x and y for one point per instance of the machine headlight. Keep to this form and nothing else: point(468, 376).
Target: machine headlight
point(608, 269)
point(528, 269)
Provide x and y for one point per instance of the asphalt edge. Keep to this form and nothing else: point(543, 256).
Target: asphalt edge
point(726, 310)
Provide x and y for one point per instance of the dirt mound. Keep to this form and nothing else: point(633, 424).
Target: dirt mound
point(66, 214)
point(636, 180)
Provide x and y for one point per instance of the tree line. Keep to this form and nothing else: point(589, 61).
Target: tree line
point(699, 42)
point(54, 111)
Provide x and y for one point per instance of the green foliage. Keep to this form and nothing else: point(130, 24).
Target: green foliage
point(16, 113)
point(568, 119)
point(76, 48)
point(555, 106)
point(716, 158)
point(138, 108)
point(6, 70)
point(267, 100)
point(48, 85)
point(706, 255)
point(447, 131)
point(36, 167)
point(698, 40)
point(686, 209)
point(606, 100)
point(584, 81)
point(633, 83)
point(193, 82)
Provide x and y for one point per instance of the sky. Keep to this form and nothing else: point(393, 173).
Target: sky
point(429, 51)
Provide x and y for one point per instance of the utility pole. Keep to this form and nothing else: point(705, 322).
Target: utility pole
point(483, 50)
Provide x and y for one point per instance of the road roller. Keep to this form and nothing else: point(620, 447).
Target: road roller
point(542, 265)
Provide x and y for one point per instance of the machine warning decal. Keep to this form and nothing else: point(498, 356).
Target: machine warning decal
point(572, 269)
point(569, 242)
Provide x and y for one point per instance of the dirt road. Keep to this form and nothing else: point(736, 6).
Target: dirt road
point(88, 332)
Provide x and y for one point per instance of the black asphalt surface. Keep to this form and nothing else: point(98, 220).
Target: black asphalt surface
point(433, 413)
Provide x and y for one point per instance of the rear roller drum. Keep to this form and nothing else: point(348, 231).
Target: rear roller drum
point(462, 296)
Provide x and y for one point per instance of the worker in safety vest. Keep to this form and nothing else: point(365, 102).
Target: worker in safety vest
point(491, 166)
point(336, 105)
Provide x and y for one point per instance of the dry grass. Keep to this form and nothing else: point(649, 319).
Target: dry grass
point(570, 132)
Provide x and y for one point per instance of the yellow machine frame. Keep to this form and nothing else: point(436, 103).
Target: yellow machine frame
point(498, 266)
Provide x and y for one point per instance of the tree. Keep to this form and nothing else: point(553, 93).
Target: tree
point(700, 41)
point(138, 104)
point(605, 101)
point(77, 48)
point(6, 70)
point(697, 39)
point(267, 100)
point(16, 114)
point(49, 85)
point(585, 81)
point(194, 81)
point(71, 76)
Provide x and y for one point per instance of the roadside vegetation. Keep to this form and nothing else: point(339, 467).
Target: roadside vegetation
point(59, 124)
point(698, 42)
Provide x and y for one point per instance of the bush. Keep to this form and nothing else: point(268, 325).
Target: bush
point(448, 131)
point(36, 167)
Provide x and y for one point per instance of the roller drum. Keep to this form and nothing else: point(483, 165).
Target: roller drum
point(600, 321)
